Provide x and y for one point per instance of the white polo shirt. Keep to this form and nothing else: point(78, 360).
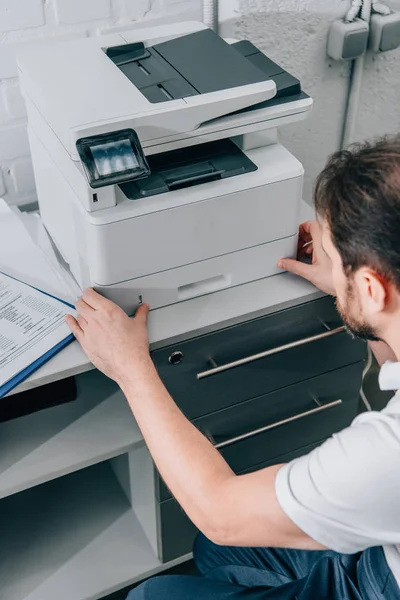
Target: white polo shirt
point(346, 493)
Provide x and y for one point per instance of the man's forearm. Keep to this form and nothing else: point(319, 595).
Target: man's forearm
point(187, 461)
point(229, 509)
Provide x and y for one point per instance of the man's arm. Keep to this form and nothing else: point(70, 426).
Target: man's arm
point(229, 509)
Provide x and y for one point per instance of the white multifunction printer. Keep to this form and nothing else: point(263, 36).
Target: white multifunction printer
point(158, 170)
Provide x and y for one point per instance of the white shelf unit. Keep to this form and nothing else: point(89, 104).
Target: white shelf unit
point(75, 538)
point(40, 447)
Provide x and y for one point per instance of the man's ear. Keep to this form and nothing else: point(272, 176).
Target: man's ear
point(374, 290)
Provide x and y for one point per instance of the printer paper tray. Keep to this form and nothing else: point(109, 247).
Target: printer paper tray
point(198, 279)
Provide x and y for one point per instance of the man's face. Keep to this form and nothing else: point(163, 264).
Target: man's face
point(348, 298)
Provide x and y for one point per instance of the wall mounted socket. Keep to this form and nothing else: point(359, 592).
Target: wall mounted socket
point(385, 32)
point(348, 41)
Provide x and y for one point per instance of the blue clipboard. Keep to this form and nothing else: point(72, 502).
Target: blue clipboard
point(39, 362)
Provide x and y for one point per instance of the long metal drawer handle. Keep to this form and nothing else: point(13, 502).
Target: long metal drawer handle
point(249, 359)
point(250, 434)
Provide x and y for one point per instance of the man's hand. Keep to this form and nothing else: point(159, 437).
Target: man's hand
point(113, 342)
point(319, 272)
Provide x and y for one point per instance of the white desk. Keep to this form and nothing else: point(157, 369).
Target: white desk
point(187, 318)
point(77, 516)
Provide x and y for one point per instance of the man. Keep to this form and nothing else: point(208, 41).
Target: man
point(336, 509)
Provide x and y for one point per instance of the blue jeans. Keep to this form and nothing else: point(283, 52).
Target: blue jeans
point(229, 573)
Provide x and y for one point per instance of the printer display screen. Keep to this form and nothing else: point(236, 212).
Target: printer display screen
point(112, 158)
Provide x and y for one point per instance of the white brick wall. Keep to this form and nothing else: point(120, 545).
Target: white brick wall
point(14, 142)
point(294, 34)
point(76, 11)
point(19, 14)
point(24, 20)
point(2, 186)
point(13, 101)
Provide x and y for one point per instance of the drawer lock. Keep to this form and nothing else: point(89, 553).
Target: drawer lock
point(176, 357)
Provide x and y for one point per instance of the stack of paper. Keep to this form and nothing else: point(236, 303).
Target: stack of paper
point(26, 253)
point(32, 330)
point(36, 293)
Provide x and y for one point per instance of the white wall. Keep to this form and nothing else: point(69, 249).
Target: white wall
point(23, 20)
point(294, 34)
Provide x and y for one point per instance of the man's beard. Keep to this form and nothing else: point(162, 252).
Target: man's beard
point(352, 316)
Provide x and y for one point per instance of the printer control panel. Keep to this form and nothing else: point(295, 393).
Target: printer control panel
point(112, 158)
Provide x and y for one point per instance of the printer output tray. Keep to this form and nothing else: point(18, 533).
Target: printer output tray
point(188, 167)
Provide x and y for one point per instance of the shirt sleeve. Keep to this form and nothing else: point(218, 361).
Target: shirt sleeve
point(346, 493)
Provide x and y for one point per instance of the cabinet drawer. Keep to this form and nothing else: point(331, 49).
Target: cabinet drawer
point(302, 428)
point(176, 533)
point(263, 428)
point(251, 359)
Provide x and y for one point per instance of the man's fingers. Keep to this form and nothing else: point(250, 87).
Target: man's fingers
point(296, 267)
point(84, 309)
point(305, 228)
point(309, 231)
point(315, 230)
point(306, 231)
point(74, 327)
point(94, 300)
point(142, 313)
point(81, 322)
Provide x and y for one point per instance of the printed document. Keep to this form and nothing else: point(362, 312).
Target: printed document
point(32, 324)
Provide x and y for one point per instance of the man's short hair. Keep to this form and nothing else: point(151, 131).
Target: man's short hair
point(358, 193)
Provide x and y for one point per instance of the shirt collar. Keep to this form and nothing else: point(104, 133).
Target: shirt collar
point(389, 376)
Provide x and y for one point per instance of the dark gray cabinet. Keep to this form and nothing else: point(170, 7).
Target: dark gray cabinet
point(263, 392)
point(311, 350)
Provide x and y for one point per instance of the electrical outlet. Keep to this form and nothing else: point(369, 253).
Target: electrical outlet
point(385, 32)
point(348, 41)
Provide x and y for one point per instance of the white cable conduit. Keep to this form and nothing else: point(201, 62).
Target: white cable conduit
point(354, 11)
point(364, 9)
point(356, 75)
point(367, 367)
point(380, 8)
point(210, 14)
